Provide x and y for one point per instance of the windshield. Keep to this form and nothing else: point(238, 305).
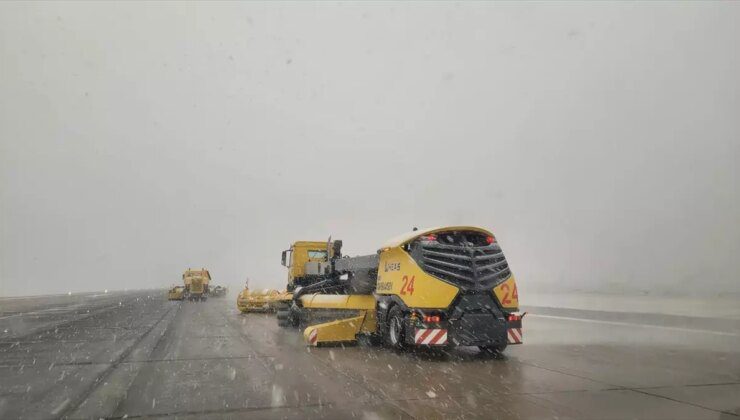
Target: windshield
point(317, 255)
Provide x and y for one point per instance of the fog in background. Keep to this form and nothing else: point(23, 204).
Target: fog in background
point(598, 141)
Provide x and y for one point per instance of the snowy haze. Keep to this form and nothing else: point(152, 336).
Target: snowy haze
point(598, 141)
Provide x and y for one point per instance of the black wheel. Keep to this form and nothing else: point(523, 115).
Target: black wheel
point(285, 317)
point(395, 335)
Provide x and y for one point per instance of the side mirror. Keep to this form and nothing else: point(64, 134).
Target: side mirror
point(282, 259)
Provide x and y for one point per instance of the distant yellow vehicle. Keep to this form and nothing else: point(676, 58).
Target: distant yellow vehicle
point(260, 301)
point(176, 293)
point(199, 290)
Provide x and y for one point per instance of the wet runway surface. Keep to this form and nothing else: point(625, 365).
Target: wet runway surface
point(136, 354)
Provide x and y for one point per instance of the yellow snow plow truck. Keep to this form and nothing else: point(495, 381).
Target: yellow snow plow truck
point(198, 289)
point(196, 284)
point(449, 286)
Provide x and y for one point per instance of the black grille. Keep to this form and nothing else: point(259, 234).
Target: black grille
point(463, 264)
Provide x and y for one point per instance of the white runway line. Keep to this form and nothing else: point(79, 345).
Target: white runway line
point(629, 324)
point(39, 312)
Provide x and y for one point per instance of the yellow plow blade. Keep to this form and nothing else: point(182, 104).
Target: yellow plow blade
point(340, 331)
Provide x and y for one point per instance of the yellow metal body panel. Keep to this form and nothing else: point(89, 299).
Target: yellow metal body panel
point(197, 285)
point(318, 301)
point(507, 294)
point(342, 330)
point(299, 257)
point(409, 236)
point(188, 275)
point(398, 274)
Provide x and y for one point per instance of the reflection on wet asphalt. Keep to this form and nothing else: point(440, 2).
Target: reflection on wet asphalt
point(136, 354)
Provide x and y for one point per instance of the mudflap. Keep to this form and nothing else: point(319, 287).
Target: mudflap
point(477, 321)
point(514, 330)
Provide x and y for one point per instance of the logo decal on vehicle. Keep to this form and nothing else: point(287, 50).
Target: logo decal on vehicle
point(392, 266)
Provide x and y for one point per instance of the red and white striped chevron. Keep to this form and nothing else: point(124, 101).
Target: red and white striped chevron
point(313, 337)
point(515, 335)
point(430, 337)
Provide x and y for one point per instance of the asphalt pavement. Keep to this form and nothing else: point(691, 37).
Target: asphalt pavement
point(135, 354)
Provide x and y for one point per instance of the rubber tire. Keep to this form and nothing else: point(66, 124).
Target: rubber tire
point(284, 316)
point(395, 335)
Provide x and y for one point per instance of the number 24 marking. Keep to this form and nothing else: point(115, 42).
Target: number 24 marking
point(505, 289)
point(408, 285)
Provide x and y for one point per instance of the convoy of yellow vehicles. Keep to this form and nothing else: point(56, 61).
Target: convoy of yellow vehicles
point(439, 287)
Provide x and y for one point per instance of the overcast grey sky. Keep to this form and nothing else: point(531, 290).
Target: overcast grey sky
point(599, 141)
